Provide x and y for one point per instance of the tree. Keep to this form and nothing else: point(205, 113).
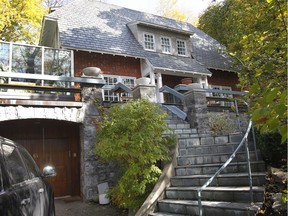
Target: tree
point(20, 20)
point(167, 8)
point(255, 33)
point(131, 135)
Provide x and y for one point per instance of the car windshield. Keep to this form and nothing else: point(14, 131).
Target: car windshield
point(14, 164)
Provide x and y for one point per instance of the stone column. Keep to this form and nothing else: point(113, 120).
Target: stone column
point(93, 170)
point(196, 105)
point(145, 92)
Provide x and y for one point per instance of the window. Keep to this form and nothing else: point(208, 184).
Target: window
point(113, 80)
point(15, 167)
point(222, 95)
point(149, 41)
point(181, 47)
point(166, 45)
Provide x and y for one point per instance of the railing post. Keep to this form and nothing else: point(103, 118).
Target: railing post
point(254, 142)
point(199, 202)
point(249, 169)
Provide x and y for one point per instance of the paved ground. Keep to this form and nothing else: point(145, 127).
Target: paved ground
point(76, 207)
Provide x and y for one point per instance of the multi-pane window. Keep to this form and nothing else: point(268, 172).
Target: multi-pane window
point(111, 81)
point(222, 95)
point(166, 45)
point(181, 47)
point(149, 41)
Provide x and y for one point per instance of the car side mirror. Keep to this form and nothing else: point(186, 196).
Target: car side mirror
point(49, 171)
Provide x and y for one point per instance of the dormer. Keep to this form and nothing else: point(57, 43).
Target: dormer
point(162, 39)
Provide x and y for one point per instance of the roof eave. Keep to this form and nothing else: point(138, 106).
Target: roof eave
point(187, 73)
point(167, 28)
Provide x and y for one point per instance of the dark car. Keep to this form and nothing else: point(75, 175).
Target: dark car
point(24, 190)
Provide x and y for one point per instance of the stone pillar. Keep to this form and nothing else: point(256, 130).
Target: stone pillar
point(145, 92)
point(196, 105)
point(93, 170)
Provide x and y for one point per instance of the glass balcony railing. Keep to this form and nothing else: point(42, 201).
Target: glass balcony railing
point(36, 60)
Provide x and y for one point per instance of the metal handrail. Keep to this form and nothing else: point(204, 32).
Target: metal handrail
point(208, 182)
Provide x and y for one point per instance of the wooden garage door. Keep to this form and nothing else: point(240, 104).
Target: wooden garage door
point(50, 143)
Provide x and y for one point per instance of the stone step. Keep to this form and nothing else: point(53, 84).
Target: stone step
point(234, 179)
point(165, 214)
point(210, 149)
point(176, 126)
point(207, 139)
point(237, 167)
point(188, 207)
point(215, 158)
point(227, 194)
point(176, 121)
point(188, 131)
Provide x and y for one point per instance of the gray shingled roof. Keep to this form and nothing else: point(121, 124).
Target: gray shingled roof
point(100, 27)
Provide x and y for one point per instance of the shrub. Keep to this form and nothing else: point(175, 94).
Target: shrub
point(131, 135)
point(272, 151)
point(220, 123)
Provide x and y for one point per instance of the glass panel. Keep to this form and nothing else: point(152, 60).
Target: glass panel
point(26, 59)
point(4, 56)
point(149, 41)
point(57, 63)
point(30, 164)
point(181, 47)
point(165, 42)
point(4, 60)
point(15, 167)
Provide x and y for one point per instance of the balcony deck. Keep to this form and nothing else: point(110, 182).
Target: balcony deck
point(40, 76)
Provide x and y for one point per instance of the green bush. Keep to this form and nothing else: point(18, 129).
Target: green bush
point(221, 124)
point(131, 135)
point(272, 151)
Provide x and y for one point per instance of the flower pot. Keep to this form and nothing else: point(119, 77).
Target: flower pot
point(187, 81)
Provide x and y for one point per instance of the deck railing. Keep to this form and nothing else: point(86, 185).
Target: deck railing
point(38, 73)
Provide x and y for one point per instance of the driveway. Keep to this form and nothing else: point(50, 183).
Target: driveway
point(74, 206)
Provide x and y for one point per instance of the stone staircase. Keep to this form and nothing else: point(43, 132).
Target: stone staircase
point(199, 157)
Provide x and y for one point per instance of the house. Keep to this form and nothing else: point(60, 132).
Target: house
point(126, 45)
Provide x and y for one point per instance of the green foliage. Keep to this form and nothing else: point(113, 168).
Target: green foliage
point(284, 196)
point(258, 41)
point(220, 123)
point(20, 20)
point(131, 135)
point(271, 149)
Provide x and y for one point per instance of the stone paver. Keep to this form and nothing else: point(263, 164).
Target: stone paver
point(77, 207)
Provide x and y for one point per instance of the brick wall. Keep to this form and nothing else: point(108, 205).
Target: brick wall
point(109, 64)
point(223, 78)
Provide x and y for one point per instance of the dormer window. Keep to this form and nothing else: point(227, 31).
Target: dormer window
point(166, 44)
point(181, 47)
point(149, 41)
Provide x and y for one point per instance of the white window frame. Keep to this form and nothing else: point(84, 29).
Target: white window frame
point(114, 97)
point(149, 45)
point(180, 49)
point(165, 47)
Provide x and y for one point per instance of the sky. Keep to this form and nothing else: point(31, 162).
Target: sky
point(192, 8)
